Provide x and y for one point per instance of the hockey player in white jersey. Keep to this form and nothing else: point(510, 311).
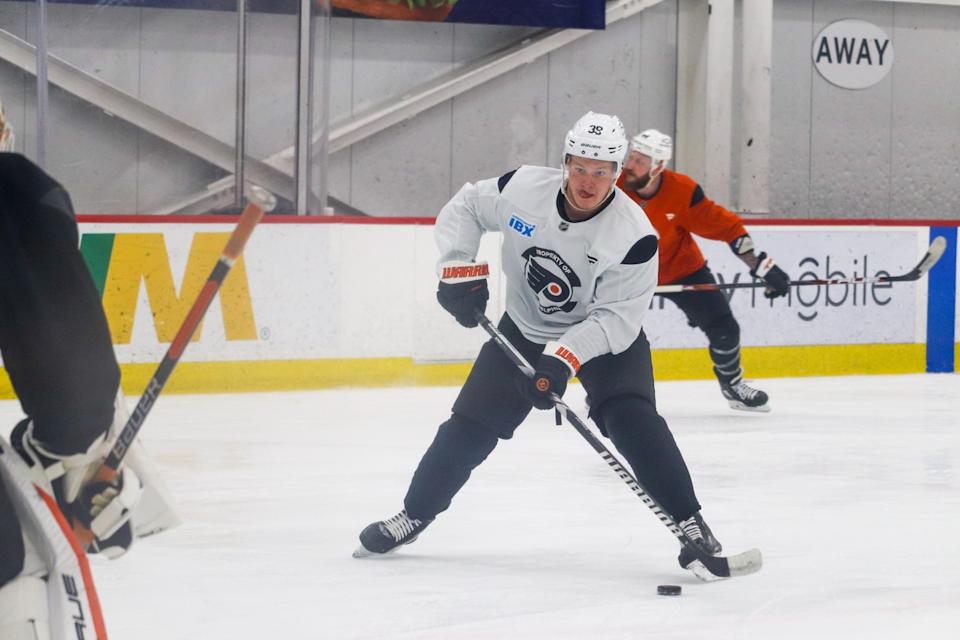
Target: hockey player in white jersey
point(580, 259)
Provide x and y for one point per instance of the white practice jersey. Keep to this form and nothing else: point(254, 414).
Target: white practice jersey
point(586, 285)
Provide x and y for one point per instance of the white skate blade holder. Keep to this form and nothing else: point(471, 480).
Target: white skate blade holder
point(739, 406)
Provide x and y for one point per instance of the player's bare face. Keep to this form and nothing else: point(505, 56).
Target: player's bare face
point(589, 182)
point(636, 171)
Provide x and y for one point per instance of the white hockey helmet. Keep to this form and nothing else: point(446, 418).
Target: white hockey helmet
point(658, 146)
point(6, 132)
point(597, 136)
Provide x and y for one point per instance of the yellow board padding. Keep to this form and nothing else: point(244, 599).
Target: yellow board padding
point(291, 375)
point(783, 362)
point(669, 364)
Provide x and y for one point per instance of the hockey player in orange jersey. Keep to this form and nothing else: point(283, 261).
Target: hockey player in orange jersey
point(678, 209)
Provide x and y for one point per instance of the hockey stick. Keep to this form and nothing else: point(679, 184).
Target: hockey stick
point(926, 263)
point(261, 202)
point(721, 566)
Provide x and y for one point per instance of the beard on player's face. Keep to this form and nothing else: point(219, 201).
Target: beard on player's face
point(636, 183)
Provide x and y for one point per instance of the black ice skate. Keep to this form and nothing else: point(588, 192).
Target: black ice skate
point(386, 536)
point(700, 534)
point(743, 397)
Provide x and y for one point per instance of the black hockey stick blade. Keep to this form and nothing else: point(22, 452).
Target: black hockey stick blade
point(936, 249)
point(720, 566)
point(741, 564)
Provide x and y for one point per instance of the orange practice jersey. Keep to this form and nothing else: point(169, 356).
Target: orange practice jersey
point(678, 209)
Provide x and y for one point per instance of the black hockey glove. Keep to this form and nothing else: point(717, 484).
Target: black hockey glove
point(551, 377)
point(777, 281)
point(463, 290)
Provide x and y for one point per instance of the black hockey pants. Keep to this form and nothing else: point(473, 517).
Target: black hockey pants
point(710, 312)
point(491, 406)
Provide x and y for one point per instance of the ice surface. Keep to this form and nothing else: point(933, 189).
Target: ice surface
point(850, 487)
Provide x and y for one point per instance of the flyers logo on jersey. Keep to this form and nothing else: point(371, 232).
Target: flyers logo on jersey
point(671, 216)
point(552, 279)
point(521, 226)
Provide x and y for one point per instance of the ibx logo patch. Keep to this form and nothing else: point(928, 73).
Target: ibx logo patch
point(551, 278)
point(521, 226)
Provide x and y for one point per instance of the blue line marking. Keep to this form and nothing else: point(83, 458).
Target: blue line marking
point(942, 304)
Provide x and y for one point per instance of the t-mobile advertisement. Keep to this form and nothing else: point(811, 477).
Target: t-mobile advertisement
point(315, 291)
point(861, 313)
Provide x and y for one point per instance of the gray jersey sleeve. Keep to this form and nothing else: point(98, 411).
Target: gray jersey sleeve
point(615, 317)
point(463, 220)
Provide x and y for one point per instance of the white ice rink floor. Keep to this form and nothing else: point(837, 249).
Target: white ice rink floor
point(850, 487)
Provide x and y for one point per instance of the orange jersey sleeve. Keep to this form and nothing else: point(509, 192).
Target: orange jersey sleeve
point(677, 210)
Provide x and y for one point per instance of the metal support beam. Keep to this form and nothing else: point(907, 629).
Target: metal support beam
point(755, 112)
point(43, 97)
point(719, 101)
point(304, 107)
point(691, 82)
point(240, 135)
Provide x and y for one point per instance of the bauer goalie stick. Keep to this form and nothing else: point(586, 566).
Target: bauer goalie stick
point(721, 566)
point(261, 202)
point(926, 263)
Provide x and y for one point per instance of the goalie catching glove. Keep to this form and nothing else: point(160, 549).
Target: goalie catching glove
point(463, 290)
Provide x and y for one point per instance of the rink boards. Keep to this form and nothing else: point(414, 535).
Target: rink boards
point(323, 302)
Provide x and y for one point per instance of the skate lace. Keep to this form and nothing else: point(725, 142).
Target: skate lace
point(743, 390)
point(400, 525)
point(691, 527)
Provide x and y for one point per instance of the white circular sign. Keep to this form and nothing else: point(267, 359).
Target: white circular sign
point(853, 54)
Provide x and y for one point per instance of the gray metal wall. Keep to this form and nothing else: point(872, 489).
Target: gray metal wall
point(183, 62)
point(521, 117)
point(891, 150)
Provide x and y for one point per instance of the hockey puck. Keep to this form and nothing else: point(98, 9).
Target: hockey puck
point(668, 590)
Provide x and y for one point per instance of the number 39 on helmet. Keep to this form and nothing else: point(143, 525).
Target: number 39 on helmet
point(597, 136)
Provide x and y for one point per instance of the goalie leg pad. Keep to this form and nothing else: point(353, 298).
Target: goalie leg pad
point(74, 609)
point(23, 610)
point(11, 540)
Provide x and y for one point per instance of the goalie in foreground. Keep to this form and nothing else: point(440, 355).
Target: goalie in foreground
point(57, 351)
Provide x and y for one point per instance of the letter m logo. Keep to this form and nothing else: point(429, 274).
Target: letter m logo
point(119, 263)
